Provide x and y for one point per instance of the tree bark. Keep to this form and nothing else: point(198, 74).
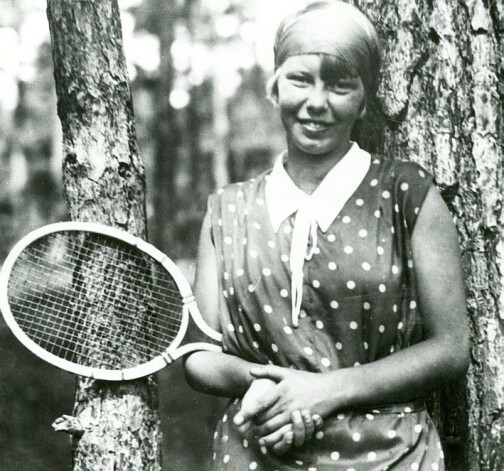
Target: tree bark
point(441, 96)
point(103, 182)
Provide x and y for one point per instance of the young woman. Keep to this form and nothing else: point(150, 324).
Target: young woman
point(335, 279)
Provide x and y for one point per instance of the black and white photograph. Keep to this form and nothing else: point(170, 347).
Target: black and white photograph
point(251, 235)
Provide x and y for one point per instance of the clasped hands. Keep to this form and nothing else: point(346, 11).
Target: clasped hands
point(283, 407)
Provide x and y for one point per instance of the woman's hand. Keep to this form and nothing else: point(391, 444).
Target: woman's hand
point(293, 429)
point(295, 403)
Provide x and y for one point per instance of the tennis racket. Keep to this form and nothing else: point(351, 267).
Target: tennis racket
point(100, 302)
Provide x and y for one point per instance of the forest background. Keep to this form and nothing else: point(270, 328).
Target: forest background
point(197, 74)
point(197, 71)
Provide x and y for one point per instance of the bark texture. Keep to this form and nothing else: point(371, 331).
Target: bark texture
point(103, 182)
point(441, 105)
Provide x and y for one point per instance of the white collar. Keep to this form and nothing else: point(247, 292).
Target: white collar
point(284, 198)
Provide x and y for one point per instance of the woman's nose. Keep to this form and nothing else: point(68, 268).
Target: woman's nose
point(317, 99)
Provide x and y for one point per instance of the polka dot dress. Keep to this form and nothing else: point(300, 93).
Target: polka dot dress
point(359, 305)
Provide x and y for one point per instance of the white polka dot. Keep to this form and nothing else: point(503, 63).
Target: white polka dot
point(253, 465)
point(332, 266)
point(266, 272)
point(395, 269)
point(255, 344)
point(240, 329)
point(346, 219)
point(356, 437)
point(325, 362)
point(220, 191)
point(331, 237)
point(271, 244)
point(232, 208)
point(231, 290)
point(410, 263)
point(244, 241)
point(353, 325)
point(381, 329)
point(268, 309)
point(417, 428)
point(239, 272)
point(392, 230)
point(359, 202)
point(228, 240)
point(380, 250)
point(226, 458)
point(225, 438)
point(308, 350)
point(407, 410)
point(224, 418)
point(386, 194)
point(396, 208)
point(284, 293)
point(264, 450)
point(334, 304)
point(274, 347)
point(226, 275)
point(404, 186)
point(417, 210)
point(316, 283)
point(374, 182)
point(363, 233)
point(287, 229)
point(415, 466)
point(366, 346)
point(370, 416)
point(421, 173)
point(339, 346)
point(319, 325)
point(348, 249)
point(382, 288)
point(366, 266)
point(260, 201)
point(319, 435)
point(287, 330)
point(412, 304)
point(392, 349)
point(284, 258)
point(257, 226)
point(253, 253)
point(350, 284)
point(257, 327)
point(366, 306)
point(335, 456)
point(377, 213)
point(391, 433)
point(400, 326)
point(219, 222)
point(371, 456)
point(394, 308)
point(239, 194)
point(435, 466)
point(251, 288)
point(231, 328)
point(340, 416)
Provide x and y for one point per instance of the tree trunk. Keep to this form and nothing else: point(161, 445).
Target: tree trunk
point(103, 182)
point(440, 101)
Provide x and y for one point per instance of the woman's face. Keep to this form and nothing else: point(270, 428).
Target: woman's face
point(318, 115)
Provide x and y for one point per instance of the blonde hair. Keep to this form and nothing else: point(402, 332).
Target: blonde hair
point(331, 29)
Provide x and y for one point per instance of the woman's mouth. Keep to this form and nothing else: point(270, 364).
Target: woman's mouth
point(314, 126)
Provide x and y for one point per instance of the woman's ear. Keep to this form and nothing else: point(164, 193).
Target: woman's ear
point(363, 109)
point(272, 88)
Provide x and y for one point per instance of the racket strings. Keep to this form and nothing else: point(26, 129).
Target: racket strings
point(94, 300)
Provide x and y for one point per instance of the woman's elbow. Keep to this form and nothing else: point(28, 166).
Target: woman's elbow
point(191, 371)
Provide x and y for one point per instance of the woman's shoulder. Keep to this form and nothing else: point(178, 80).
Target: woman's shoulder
point(402, 171)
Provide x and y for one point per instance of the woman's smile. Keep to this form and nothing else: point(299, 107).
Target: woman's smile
point(318, 113)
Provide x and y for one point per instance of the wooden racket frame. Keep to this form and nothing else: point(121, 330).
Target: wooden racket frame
point(172, 353)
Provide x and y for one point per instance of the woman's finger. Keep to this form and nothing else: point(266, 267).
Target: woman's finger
point(309, 425)
point(273, 372)
point(275, 437)
point(273, 424)
point(318, 422)
point(298, 428)
point(254, 406)
point(284, 445)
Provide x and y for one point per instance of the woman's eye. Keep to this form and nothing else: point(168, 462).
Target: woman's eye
point(299, 79)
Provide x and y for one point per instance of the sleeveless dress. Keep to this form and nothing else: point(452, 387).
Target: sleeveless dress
point(359, 304)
